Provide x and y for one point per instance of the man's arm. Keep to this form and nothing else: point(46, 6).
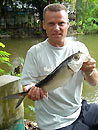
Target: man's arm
point(90, 72)
point(93, 79)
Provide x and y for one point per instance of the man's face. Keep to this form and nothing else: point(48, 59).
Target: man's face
point(56, 25)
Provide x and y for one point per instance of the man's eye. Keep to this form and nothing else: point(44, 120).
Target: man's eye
point(51, 24)
point(62, 23)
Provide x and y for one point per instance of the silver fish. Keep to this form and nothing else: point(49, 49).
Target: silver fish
point(59, 76)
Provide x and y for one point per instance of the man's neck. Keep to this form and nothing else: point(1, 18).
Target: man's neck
point(57, 44)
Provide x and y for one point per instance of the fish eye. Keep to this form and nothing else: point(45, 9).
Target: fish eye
point(76, 57)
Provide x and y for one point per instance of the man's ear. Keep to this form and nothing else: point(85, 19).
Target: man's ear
point(44, 25)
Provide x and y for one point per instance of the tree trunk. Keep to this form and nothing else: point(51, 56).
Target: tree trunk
point(78, 10)
point(84, 11)
point(1, 4)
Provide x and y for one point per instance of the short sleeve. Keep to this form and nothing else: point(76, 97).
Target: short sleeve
point(30, 69)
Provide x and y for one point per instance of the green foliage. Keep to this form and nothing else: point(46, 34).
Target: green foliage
point(95, 1)
point(88, 19)
point(89, 25)
point(2, 45)
point(4, 58)
point(32, 108)
point(86, 12)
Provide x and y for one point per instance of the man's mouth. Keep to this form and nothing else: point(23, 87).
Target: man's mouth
point(57, 34)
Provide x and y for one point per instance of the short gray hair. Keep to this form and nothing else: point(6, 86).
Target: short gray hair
point(54, 7)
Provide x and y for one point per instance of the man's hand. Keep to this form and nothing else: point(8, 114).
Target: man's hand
point(35, 93)
point(89, 66)
point(90, 71)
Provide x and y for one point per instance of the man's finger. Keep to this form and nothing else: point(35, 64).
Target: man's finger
point(26, 88)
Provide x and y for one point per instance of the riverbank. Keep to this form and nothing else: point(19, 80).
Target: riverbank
point(21, 33)
point(5, 36)
point(31, 35)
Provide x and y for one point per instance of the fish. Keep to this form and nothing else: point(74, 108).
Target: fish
point(61, 75)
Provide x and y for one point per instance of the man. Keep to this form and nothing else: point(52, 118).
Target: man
point(62, 110)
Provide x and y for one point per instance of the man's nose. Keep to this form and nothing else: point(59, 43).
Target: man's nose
point(57, 27)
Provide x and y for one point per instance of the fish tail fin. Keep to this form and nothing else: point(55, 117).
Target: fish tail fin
point(19, 96)
point(14, 96)
point(20, 101)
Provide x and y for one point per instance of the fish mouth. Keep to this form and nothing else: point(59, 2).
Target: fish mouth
point(80, 53)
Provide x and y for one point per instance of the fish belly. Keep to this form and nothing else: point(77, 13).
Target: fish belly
point(61, 78)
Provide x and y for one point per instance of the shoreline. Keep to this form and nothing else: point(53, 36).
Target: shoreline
point(32, 35)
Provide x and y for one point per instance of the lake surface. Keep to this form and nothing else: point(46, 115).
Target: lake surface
point(18, 48)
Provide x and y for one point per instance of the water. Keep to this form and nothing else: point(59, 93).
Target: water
point(91, 41)
point(19, 47)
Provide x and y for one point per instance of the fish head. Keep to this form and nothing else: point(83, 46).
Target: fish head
point(77, 56)
point(77, 61)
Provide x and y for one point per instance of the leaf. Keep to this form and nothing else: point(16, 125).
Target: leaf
point(31, 108)
point(4, 59)
point(2, 45)
point(4, 53)
point(1, 70)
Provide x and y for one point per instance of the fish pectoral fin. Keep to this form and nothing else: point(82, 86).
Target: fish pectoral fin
point(20, 101)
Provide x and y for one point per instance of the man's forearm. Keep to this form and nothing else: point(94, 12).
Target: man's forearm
point(92, 78)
